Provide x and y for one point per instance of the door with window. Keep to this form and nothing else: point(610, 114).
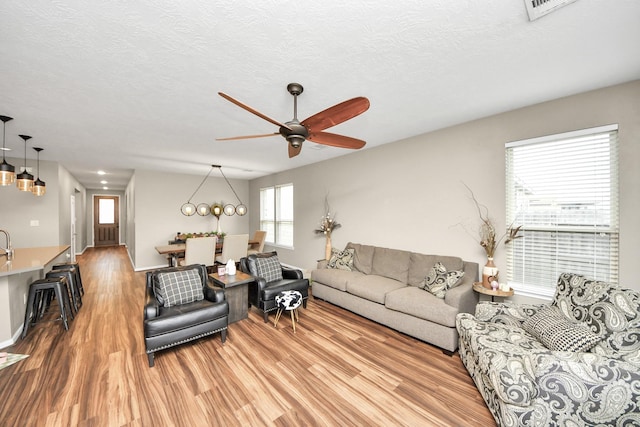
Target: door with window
point(106, 221)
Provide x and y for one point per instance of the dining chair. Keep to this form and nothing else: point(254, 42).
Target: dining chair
point(256, 248)
point(233, 247)
point(199, 250)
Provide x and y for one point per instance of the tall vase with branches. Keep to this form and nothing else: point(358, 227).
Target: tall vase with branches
point(489, 241)
point(327, 225)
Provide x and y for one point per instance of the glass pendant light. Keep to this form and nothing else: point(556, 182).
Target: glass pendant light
point(24, 180)
point(7, 171)
point(39, 187)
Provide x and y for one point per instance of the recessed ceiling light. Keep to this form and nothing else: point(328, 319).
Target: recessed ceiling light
point(103, 182)
point(105, 188)
point(102, 173)
point(5, 149)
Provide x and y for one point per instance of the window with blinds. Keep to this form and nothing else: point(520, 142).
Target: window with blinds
point(276, 214)
point(563, 191)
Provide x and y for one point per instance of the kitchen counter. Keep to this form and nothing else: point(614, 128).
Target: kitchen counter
point(29, 259)
point(27, 265)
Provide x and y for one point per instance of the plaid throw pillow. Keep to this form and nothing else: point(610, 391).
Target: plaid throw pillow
point(269, 268)
point(558, 333)
point(179, 287)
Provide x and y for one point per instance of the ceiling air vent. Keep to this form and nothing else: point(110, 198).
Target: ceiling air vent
point(538, 8)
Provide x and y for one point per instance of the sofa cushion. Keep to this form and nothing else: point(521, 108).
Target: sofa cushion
point(362, 257)
point(341, 260)
point(558, 333)
point(420, 265)
point(334, 278)
point(373, 288)
point(269, 268)
point(391, 263)
point(178, 287)
point(421, 304)
point(439, 280)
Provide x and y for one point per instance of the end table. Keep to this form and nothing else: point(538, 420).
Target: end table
point(236, 290)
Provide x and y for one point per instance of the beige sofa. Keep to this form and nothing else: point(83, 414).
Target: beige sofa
point(384, 285)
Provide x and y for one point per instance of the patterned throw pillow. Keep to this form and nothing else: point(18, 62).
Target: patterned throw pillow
point(341, 260)
point(439, 280)
point(558, 333)
point(269, 268)
point(179, 287)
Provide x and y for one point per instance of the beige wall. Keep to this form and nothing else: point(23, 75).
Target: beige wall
point(410, 194)
point(157, 215)
point(51, 211)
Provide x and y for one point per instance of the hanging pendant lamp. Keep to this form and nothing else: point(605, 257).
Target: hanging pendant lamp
point(7, 171)
point(24, 180)
point(39, 186)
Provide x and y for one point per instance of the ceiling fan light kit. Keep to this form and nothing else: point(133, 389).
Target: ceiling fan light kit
point(296, 132)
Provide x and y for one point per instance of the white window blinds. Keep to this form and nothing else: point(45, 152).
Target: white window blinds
point(563, 191)
point(276, 214)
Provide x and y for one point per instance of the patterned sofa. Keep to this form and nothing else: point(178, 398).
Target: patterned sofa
point(572, 362)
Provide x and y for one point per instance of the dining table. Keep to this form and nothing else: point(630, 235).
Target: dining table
point(177, 250)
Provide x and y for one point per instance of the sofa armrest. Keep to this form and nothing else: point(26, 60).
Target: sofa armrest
point(321, 264)
point(214, 294)
point(291, 273)
point(463, 297)
point(151, 305)
point(505, 312)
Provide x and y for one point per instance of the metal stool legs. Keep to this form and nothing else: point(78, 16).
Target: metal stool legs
point(69, 274)
point(37, 294)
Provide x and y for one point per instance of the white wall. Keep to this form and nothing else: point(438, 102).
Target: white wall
point(157, 216)
point(410, 194)
point(51, 211)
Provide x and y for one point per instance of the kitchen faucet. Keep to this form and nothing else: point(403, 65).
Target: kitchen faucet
point(8, 251)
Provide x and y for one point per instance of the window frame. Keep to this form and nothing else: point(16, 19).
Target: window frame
point(540, 235)
point(274, 224)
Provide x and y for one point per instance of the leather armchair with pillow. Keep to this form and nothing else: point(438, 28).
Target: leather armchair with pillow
point(271, 278)
point(181, 307)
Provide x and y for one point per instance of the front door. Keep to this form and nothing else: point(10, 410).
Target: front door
point(105, 221)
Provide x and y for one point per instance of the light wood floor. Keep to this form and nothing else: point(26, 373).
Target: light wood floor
point(339, 369)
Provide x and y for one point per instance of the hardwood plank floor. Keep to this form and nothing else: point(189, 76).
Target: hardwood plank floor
point(338, 369)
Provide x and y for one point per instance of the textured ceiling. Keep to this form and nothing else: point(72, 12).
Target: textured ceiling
point(133, 85)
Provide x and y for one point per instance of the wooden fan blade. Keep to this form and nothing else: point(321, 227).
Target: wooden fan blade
point(335, 140)
point(247, 137)
point(294, 151)
point(337, 114)
point(251, 110)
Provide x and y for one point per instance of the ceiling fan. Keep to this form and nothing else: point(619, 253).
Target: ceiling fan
point(296, 132)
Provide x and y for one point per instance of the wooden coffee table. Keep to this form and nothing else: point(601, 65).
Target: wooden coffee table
point(236, 290)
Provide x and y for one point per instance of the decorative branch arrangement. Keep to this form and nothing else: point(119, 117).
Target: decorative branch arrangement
point(488, 232)
point(327, 223)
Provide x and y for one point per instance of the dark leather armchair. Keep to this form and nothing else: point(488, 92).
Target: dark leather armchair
point(166, 327)
point(262, 294)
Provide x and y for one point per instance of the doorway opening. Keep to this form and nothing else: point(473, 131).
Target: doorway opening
point(106, 221)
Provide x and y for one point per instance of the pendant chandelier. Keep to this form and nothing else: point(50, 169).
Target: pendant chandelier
point(24, 180)
point(7, 171)
point(39, 186)
point(216, 209)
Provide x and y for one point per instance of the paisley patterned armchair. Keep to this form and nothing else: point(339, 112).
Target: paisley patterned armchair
point(575, 361)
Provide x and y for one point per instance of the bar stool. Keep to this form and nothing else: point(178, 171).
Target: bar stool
point(35, 302)
point(75, 265)
point(72, 284)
